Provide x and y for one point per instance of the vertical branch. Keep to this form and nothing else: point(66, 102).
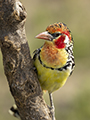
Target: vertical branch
point(22, 80)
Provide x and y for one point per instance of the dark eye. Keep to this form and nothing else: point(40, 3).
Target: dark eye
point(56, 34)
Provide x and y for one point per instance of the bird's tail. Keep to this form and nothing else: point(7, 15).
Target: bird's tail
point(14, 111)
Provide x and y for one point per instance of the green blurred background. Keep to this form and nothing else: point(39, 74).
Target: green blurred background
point(72, 102)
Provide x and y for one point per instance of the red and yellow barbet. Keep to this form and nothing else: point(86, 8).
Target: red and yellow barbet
point(54, 61)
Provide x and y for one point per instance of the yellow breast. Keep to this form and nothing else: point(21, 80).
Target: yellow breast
point(52, 80)
point(49, 79)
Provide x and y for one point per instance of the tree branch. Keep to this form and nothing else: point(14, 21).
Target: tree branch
point(18, 65)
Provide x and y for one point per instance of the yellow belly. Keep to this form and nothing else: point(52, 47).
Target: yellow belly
point(51, 80)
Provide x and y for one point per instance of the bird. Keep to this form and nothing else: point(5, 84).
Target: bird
point(54, 60)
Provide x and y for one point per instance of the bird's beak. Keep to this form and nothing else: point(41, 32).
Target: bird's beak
point(45, 35)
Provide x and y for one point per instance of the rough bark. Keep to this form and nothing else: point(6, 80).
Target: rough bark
point(18, 65)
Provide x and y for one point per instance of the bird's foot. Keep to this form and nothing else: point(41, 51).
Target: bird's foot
point(52, 111)
point(34, 68)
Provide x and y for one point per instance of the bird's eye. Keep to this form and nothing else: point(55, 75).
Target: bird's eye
point(56, 34)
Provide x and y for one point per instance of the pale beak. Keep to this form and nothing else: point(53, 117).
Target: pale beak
point(45, 35)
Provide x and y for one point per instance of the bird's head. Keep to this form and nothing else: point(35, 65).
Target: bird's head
point(58, 33)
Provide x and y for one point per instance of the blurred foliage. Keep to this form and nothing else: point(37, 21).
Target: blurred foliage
point(72, 102)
